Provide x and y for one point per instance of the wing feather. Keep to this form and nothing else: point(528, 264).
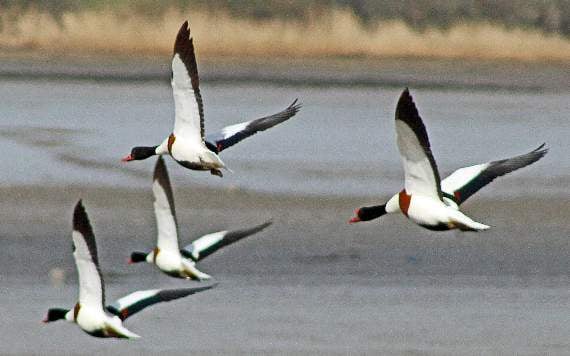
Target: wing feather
point(164, 208)
point(467, 181)
point(137, 301)
point(208, 244)
point(91, 287)
point(421, 173)
point(230, 135)
point(189, 108)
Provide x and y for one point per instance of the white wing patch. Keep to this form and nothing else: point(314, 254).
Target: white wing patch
point(133, 298)
point(187, 121)
point(165, 221)
point(461, 177)
point(419, 176)
point(226, 132)
point(90, 284)
point(205, 242)
point(231, 130)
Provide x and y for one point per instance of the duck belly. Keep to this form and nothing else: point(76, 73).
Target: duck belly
point(169, 263)
point(186, 152)
point(429, 213)
point(91, 320)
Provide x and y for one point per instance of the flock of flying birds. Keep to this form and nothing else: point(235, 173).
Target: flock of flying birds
point(426, 199)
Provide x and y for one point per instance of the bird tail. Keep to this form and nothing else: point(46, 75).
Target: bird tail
point(213, 160)
point(194, 273)
point(121, 332)
point(464, 223)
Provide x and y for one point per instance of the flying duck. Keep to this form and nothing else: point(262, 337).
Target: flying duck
point(90, 312)
point(186, 144)
point(426, 200)
point(167, 256)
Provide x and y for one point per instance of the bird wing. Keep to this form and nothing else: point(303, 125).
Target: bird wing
point(137, 301)
point(164, 208)
point(467, 181)
point(421, 174)
point(91, 288)
point(230, 135)
point(208, 244)
point(188, 106)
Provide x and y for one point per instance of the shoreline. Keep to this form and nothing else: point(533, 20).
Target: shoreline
point(437, 74)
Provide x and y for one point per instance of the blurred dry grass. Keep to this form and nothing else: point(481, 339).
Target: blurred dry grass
point(335, 33)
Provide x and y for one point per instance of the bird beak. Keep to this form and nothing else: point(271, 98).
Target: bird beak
point(127, 158)
point(354, 220)
point(45, 321)
point(130, 261)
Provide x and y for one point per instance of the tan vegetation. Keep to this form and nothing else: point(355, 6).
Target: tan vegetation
point(334, 33)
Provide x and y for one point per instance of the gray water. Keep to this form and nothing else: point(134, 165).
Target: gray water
point(341, 142)
point(310, 284)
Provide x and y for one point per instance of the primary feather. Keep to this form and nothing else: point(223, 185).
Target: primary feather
point(188, 105)
point(420, 169)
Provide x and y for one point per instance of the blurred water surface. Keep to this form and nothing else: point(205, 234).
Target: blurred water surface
point(341, 142)
point(309, 284)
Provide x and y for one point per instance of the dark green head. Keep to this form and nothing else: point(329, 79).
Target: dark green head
point(368, 213)
point(55, 314)
point(138, 257)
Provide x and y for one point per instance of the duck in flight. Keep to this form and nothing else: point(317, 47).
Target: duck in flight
point(187, 144)
point(167, 256)
point(90, 312)
point(426, 200)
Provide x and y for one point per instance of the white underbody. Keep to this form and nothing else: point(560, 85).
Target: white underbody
point(426, 211)
point(94, 320)
point(195, 153)
point(173, 263)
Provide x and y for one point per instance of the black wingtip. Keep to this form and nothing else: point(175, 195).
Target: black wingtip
point(295, 106)
point(406, 96)
point(80, 218)
point(211, 286)
point(542, 148)
point(407, 111)
point(184, 47)
point(166, 295)
point(256, 229)
point(82, 225)
point(183, 39)
point(184, 31)
point(265, 225)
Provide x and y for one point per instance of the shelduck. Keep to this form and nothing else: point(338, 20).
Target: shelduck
point(167, 256)
point(90, 312)
point(426, 200)
point(187, 144)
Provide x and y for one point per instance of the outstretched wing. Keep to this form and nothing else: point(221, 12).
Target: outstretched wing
point(91, 289)
point(164, 208)
point(208, 244)
point(137, 301)
point(230, 135)
point(189, 109)
point(467, 181)
point(421, 174)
